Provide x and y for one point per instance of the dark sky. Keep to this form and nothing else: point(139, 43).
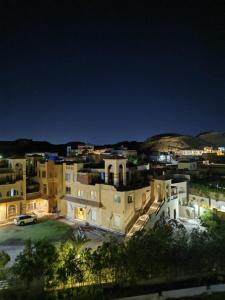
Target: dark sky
point(107, 71)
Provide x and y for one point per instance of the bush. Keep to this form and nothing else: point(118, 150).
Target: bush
point(4, 259)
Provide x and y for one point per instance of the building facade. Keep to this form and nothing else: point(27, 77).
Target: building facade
point(102, 197)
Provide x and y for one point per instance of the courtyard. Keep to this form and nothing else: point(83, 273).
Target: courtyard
point(12, 237)
point(48, 228)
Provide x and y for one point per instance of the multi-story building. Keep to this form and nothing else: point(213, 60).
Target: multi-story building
point(12, 188)
point(170, 192)
point(18, 193)
point(50, 179)
point(102, 197)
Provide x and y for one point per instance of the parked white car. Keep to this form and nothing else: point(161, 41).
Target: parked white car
point(25, 219)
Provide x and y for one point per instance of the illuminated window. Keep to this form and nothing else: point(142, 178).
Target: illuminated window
point(12, 193)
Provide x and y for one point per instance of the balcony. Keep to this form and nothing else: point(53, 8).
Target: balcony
point(10, 180)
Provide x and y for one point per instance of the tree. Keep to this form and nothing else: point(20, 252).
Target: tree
point(4, 259)
point(35, 262)
point(208, 219)
point(68, 266)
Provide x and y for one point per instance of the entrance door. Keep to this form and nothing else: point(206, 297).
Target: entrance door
point(80, 213)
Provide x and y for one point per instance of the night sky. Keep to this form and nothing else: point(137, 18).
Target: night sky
point(102, 72)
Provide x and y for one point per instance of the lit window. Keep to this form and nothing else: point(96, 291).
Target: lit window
point(12, 193)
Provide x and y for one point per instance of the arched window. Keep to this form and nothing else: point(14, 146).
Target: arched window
point(12, 193)
point(11, 211)
point(120, 174)
point(110, 174)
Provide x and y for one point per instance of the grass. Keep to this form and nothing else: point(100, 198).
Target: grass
point(52, 230)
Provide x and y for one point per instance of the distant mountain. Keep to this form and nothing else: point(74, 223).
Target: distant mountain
point(162, 142)
point(22, 146)
point(214, 138)
point(173, 141)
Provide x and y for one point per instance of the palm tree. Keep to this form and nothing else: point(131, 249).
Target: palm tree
point(78, 239)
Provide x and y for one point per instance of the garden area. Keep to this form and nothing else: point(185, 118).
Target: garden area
point(50, 229)
point(156, 258)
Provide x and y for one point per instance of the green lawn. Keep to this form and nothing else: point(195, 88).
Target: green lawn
point(45, 228)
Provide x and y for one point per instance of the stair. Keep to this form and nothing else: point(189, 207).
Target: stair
point(143, 219)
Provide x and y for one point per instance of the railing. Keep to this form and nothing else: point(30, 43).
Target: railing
point(159, 207)
point(132, 221)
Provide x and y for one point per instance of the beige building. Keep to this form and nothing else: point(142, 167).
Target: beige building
point(12, 188)
point(50, 179)
point(102, 197)
point(15, 196)
point(170, 193)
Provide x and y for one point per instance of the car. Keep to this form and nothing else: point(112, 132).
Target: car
point(25, 219)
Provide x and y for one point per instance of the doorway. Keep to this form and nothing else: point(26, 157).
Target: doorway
point(80, 213)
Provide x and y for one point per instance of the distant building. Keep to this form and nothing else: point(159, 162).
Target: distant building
point(187, 165)
point(81, 150)
point(162, 157)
